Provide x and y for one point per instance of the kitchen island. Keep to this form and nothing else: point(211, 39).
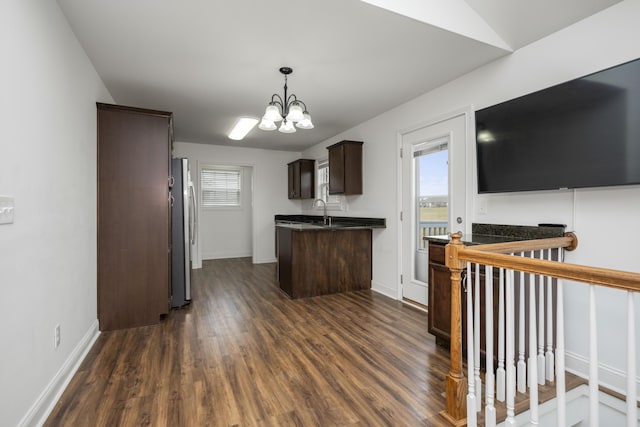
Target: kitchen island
point(315, 258)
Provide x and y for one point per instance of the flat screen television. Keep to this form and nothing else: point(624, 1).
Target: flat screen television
point(582, 133)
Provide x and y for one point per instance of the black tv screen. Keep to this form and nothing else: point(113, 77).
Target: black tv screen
point(582, 133)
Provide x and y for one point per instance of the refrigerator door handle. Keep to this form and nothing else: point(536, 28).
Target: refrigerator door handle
point(194, 217)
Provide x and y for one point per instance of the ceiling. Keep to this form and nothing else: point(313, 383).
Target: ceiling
point(211, 62)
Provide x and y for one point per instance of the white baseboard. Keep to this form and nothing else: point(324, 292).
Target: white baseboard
point(209, 256)
point(384, 290)
point(265, 261)
point(608, 376)
point(44, 404)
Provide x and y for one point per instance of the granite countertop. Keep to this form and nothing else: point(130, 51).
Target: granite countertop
point(316, 222)
point(483, 234)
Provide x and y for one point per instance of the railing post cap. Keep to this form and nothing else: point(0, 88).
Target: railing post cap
point(456, 238)
point(574, 238)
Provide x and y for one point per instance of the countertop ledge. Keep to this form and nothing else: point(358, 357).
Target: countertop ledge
point(316, 222)
point(482, 234)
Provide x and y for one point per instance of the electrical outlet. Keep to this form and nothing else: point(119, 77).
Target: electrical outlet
point(56, 336)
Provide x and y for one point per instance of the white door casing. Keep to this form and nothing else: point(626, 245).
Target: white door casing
point(451, 130)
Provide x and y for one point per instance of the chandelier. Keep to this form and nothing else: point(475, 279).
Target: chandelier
point(289, 109)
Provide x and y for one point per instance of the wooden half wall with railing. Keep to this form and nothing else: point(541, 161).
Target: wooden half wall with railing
point(463, 397)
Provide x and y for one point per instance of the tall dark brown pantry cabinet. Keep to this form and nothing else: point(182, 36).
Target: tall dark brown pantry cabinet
point(134, 161)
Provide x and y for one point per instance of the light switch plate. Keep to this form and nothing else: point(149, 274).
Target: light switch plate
point(6, 209)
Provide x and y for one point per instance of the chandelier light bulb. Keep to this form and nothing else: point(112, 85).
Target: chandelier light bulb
point(295, 113)
point(305, 123)
point(272, 113)
point(267, 125)
point(287, 127)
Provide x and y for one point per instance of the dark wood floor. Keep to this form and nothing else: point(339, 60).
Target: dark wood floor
point(244, 354)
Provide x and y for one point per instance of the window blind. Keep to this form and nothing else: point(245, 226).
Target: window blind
point(221, 187)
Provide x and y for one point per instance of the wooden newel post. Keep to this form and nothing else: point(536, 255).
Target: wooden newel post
point(456, 383)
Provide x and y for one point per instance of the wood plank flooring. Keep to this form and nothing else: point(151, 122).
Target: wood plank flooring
point(243, 354)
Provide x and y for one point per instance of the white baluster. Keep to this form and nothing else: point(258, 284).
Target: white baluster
point(593, 359)
point(549, 354)
point(522, 366)
point(541, 361)
point(511, 369)
point(500, 372)
point(476, 340)
point(532, 376)
point(561, 413)
point(472, 420)
point(632, 411)
point(533, 362)
point(490, 410)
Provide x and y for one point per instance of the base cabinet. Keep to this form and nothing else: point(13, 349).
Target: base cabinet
point(312, 263)
point(439, 317)
point(440, 299)
point(439, 295)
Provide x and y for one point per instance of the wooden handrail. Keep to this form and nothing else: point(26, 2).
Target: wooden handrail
point(494, 254)
point(622, 280)
point(569, 241)
point(457, 255)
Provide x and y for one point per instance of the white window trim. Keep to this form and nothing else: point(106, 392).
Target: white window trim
point(239, 206)
point(336, 202)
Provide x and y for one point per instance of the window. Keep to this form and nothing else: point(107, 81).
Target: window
point(221, 186)
point(322, 182)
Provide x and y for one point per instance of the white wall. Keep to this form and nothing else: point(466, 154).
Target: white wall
point(269, 190)
point(600, 217)
point(48, 90)
point(227, 232)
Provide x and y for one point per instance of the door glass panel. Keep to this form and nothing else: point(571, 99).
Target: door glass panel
point(431, 166)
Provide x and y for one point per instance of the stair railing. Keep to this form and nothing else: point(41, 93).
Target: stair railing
point(536, 264)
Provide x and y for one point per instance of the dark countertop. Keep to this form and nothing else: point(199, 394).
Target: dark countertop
point(483, 234)
point(316, 222)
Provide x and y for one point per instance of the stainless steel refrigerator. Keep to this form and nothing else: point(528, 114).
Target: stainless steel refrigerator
point(183, 231)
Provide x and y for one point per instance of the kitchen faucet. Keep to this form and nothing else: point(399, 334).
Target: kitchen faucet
point(325, 218)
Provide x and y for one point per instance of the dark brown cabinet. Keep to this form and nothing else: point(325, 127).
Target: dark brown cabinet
point(345, 168)
point(302, 183)
point(440, 298)
point(439, 295)
point(134, 162)
point(440, 301)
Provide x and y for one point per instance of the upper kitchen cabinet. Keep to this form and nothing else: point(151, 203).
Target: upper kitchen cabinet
point(134, 164)
point(302, 183)
point(345, 168)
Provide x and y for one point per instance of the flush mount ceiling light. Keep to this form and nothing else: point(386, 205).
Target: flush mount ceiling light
point(289, 109)
point(242, 128)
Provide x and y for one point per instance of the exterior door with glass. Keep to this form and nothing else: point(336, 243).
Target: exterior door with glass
point(433, 197)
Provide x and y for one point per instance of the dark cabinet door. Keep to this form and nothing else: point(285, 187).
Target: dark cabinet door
point(133, 216)
point(294, 180)
point(301, 178)
point(440, 301)
point(345, 168)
